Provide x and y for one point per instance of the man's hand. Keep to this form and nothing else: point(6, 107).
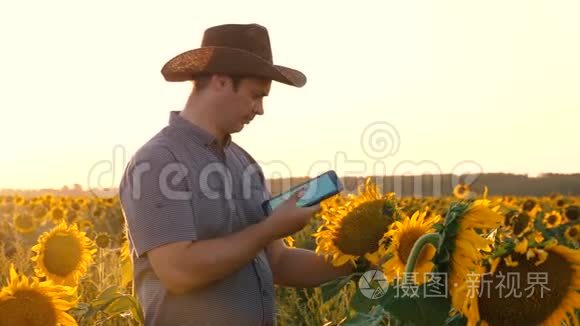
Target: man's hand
point(288, 219)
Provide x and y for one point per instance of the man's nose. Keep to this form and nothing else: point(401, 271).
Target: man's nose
point(259, 108)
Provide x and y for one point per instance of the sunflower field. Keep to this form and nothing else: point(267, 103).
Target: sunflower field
point(467, 259)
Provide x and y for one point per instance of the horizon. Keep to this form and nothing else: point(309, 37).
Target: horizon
point(394, 88)
point(73, 187)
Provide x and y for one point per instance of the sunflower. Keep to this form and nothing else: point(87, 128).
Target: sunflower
point(461, 191)
point(57, 214)
point(403, 235)
point(459, 252)
point(24, 223)
point(572, 233)
point(19, 201)
point(30, 302)
point(547, 292)
point(63, 254)
point(289, 241)
point(72, 216)
point(85, 225)
point(529, 205)
point(553, 219)
point(75, 206)
point(572, 213)
point(332, 202)
point(99, 212)
point(521, 223)
point(108, 201)
point(355, 228)
point(560, 202)
point(39, 212)
point(102, 240)
point(509, 216)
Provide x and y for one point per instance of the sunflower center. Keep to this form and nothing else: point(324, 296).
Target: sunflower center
point(573, 212)
point(57, 214)
point(62, 254)
point(24, 222)
point(362, 229)
point(521, 223)
point(98, 212)
point(573, 232)
point(549, 281)
point(27, 307)
point(102, 240)
point(529, 205)
point(552, 219)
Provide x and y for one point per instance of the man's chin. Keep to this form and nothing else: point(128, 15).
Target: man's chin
point(238, 128)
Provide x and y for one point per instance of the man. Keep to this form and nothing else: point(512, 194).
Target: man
point(204, 253)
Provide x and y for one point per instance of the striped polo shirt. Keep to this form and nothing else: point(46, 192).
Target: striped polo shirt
point(180, 187)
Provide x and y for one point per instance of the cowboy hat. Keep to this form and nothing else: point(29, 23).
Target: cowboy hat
point(232, 49)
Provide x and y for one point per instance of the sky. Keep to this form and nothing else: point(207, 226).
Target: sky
point(394, 87)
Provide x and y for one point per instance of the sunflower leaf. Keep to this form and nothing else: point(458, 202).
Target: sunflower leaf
point(374, 317)
point(507, 247)
point(439, 227)
point(362, 304)
point(105, 296)
point(123, 304)
point(420, 308)
point(332, 288)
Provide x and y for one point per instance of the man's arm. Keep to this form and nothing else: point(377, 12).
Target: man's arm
point(186, 265)
point(302, 268)
point(183, 266)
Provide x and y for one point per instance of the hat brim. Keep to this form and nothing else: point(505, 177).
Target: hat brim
point(224, 60)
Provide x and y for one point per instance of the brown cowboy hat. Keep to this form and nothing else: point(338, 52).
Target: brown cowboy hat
point(232, 49)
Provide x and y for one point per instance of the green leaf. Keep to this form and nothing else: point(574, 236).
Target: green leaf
point(124, 304)
point(360, 303)
point(106, 296)
point(119, 305)
point(332, 288)
point(80, 310)
point(505, 248)
point(375, 317)
point(420, 310)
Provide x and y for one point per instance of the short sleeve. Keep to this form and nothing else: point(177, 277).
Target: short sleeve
point(154, 194)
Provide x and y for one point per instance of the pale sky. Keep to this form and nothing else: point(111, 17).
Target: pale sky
point(488, 85)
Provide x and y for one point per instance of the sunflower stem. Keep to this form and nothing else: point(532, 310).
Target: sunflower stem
point(431, 238)
point(101, 271)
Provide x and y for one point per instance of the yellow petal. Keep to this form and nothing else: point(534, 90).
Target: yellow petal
point(522, 246)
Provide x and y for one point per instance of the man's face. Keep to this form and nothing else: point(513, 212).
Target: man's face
point(238, 108)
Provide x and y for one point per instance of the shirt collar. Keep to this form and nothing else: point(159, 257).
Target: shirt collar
point(198, 133)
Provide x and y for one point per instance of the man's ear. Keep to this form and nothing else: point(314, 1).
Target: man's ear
point(220, 82)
